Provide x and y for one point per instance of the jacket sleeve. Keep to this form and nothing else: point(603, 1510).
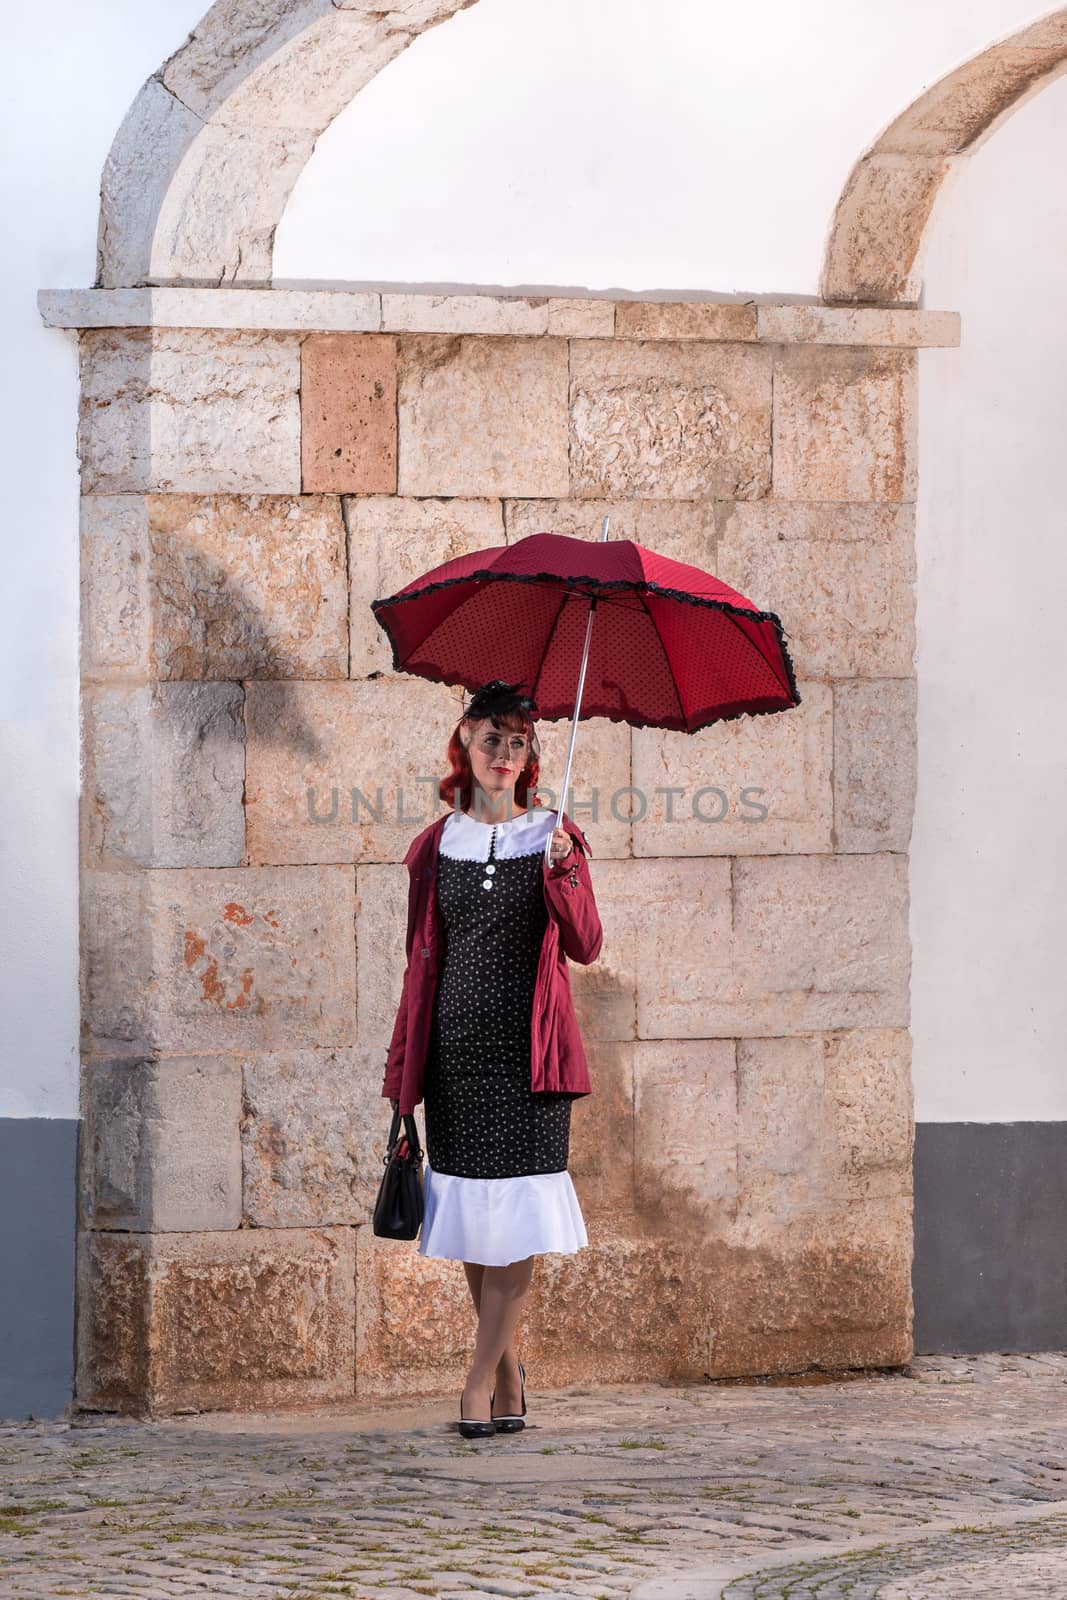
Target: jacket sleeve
point(570, 889)
point(394, 1061)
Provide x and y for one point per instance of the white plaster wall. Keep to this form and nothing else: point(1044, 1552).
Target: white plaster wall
point(989, 847)
point(588, 144)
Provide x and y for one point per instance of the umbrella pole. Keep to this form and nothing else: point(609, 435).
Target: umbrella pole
point(577, 707)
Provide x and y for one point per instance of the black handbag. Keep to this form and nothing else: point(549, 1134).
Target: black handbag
point(399, 1206)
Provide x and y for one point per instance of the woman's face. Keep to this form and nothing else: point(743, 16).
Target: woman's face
point(497, 755)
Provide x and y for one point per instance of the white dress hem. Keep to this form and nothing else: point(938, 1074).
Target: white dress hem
point(495, 1221)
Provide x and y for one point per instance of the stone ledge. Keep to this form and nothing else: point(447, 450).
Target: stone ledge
point(369, 311)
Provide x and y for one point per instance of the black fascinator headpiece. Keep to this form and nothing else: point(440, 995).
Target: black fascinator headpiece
point(499, 699)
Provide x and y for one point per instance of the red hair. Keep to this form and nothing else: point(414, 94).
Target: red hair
point(461, 777)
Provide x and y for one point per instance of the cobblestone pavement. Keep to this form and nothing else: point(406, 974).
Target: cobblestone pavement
point(947, 1480)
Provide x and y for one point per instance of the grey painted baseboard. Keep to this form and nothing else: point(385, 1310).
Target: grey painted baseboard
point(38, 1174)
point(990, 1264)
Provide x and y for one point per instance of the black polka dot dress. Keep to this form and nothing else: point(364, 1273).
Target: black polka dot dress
point(497, 1185)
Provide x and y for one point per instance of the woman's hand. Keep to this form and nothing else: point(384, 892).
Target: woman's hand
point(561, 846)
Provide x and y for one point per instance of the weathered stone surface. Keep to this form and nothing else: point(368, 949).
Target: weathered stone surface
point(163, 775)
point(670, 420)
point(392, 541)
point(875, 238)
point(685, 1132)
point(817, 942)
point(415, 1321)
point(213, 586)
point(248, 586)
point(348, 412)
point(844, 424)
point(161, 1149)
point(381, 930)
point(150, 145)
point(218, 220)
point(840, 577)
point(256, 958)
point(285, 310)
point(602, 1132)
point(875, 764)
point(581, 319)
point(681, 945)
point(116, 593)
point(868, 1087)
point(463, 313)
point(858, 325)
point(255, 1317)
point(959, 108)
point(341, 772)
point(313, 1134)
point(189, 409)
point(785, 1148)
point(482, 416)
point(757, 785)
point(600, 773)
point(685, 530)
point(649, 319)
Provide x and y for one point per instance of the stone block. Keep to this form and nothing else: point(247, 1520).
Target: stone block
point(152, 141)
point(869, 1100)
point(415, 1321)
point(313, 1135)
point(482, 416)
point(163, 775)
point(217, 960)
point(600, 773)
point(760, 785)
point(602, 1132)
point(116, 588)
point(161, 1149)
point(669, 420)
point(785, 1151)
point(216, 1321)
point(875, 761)
point(857, 325)
point(818, 941)
point(680, 942)
point(392, 541)
point(342, 772)
point(581, 319)
point(845, 424)
point(463, 313)
point(284, 310)
point(840, 577)
point(191, 409)
point(685, 530)
point(381, 929)
point(650, 319)
point(348, 413)
point(685, 1132)
point(873, 253)
point(197, 587)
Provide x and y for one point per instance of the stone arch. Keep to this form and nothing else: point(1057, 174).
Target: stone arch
point(874, 251)
point(205, 159)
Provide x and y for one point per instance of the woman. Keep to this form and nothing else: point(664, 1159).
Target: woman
point(486, 1033)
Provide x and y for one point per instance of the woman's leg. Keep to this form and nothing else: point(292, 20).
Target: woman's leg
point(500, 1296)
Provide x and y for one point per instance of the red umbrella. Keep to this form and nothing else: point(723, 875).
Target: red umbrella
point(673, 647)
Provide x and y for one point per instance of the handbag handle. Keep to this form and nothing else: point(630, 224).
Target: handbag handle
point(410, 1128)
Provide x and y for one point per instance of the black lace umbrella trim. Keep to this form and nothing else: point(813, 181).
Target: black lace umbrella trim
point(600, 585)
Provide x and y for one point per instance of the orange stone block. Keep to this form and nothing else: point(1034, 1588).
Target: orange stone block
point(348, 413)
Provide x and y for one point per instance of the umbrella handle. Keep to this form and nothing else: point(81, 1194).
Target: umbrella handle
point(577, 707)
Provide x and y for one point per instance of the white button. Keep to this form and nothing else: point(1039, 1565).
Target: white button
point(490, 867)
point(487, 883)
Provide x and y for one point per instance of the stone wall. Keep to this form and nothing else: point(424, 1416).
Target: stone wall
point(744, 1163)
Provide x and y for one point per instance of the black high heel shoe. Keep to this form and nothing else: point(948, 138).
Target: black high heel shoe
point(471, 1428)
point(511, 1423)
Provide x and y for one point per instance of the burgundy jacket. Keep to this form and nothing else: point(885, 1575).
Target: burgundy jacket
point(557, 1058)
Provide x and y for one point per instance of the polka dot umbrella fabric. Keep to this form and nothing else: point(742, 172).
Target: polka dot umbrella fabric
point(671, 646)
